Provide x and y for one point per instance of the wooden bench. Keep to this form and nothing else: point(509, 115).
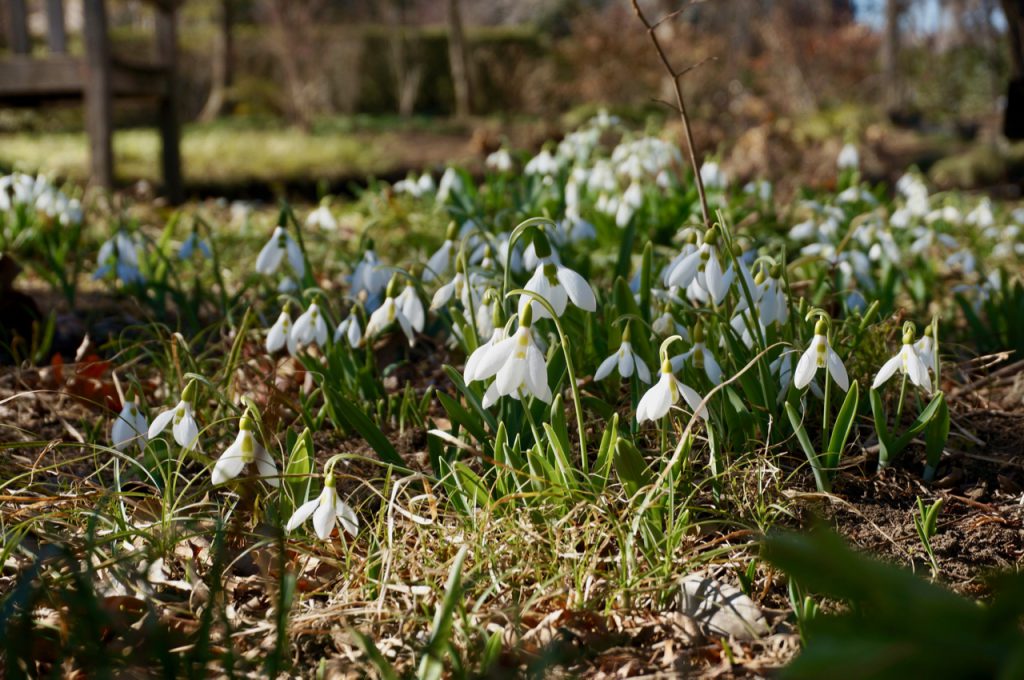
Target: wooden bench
point(96, 78)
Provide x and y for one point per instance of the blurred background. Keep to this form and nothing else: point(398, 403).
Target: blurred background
point(302, 97)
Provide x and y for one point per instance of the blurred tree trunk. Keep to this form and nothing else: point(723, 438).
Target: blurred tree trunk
point(891, 54)
point(1013, 117)
point(221, 70)
point(407, 70)
point(459, 59)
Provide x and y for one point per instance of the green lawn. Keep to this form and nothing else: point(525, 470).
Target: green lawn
point(224, 155)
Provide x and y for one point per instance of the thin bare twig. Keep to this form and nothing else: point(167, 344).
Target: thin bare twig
point(680, 104)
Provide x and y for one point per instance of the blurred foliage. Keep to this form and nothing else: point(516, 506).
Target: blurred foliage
point(896, 625)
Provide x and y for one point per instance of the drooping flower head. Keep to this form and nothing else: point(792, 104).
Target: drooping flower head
point(181, 418)
point(908, 362)
point(556, 283)
point(280, 246)
point(245, 450)
point(657, 401)
point(819, 354)
point(327, 510)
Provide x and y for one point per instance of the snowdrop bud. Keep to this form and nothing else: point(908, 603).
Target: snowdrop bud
point(541, 245)
point(711, 236)
point(759, 277)
point(821, 327)
point(526, 316)
point(392, 289)
point(453, 231)
point(189, 394)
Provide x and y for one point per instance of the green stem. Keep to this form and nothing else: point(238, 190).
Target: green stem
point(567, 351)
point(825, 411)
point(903, 394)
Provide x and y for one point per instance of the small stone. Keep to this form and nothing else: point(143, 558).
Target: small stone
point(720, 609)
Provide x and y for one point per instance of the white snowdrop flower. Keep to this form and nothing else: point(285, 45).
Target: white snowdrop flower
point(181, 418)
point(573, 230)
point(322, 218)
point(280, 246)
point(544, 163)
point(425, 184)
point(632, 200)
point(517, 365)
point(326, 510)
point(558, 285)
point(349, 329)
point(245, 450)
point(773, 304)
point(287, 285)
point(704, 267)
point(699, 357)
point(761, 188)
point(820, 355)
point(129, 427)
point(500, 160)
point(664, 323)
point(389, 313)
point(440, 262)
point(925, 348)
point(602, 178)
point(625, 360)
point(713, 176)
point(369, 279)
point(412, 307)
point(908, 362)
point(849, 158)
point(120, 254)
point(192, 245)
point(657, 401)
point(452, 289)
point(471, 371)
point(280, 334)
point(310, 327)
point(451, 183)
point(409, 185)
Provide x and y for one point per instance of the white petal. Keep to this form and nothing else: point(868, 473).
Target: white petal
point(266, 466)
point(642, 371)
point(715, 280)
point(606, 367)
point(491, 396)
point(693, 400)
point(347, 517)
point(160, 423)
point(270, 257)
point(230, 464)
point(684, 272)
point(278, 334)
point(577, 288)
point(888, 369)
point(302, 513)
point(511, 376)
point(837, 370)
point(494, 358)
point(806, 367)
point(323, 517)
point(537, 374)
point(295, 258)
point(186, 432)
point(407, 328)
point(655, 403)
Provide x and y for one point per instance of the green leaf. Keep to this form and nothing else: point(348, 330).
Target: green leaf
point(821, 478)
point(432, 664)
point(881, 428)
point(299, 469)
point(935, 435)
point(352, 418)
point(843, 426)
point(631, 467)
point(463, 418)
